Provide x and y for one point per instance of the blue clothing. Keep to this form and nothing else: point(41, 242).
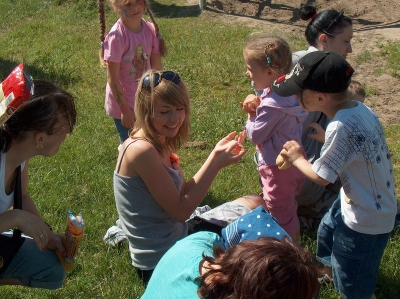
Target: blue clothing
point(175, 274)
point(123, 132)
point(252, 226)
point(35, 268)
point(353, 256)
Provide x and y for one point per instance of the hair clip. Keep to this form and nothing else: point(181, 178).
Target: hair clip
point(159, 36)
point(268, 59)
point(101, 44)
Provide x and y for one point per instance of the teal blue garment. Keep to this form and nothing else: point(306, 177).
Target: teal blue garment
point(175, 274)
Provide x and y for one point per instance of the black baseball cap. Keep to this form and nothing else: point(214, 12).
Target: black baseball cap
point(320, 71)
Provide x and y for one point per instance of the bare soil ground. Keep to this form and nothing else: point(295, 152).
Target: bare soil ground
point(374, 22)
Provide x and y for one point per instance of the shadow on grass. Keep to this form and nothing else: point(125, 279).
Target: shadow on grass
point(48, 74)
point(174, 11)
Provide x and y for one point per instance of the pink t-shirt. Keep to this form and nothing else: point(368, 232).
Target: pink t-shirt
point(132, 50)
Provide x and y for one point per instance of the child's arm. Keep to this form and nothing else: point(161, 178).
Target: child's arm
point(294, 154)
point(155, 61)
point(250, 105)
point(319, 134)
point(127, 115)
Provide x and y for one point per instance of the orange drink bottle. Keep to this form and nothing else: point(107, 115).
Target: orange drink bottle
point(72, 239)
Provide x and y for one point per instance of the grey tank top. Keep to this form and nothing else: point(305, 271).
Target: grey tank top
point(150, 229)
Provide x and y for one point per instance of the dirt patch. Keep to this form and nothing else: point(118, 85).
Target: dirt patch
point(374, 22)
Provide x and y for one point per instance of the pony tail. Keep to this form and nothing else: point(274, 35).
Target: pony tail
point(163, 47)
point(307, 12)
point(102, 19)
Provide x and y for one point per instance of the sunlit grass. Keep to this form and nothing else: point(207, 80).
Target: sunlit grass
point(58, 40)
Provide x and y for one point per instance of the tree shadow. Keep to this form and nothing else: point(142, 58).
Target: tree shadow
point(174, 11)
point(218, 7)
point(48, 74)
point(376, 25)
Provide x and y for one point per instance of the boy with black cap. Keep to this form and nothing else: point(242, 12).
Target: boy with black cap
point(353, 234)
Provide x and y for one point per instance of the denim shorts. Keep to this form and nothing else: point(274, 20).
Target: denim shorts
point(123, 132)
point(353, 256)
point(34, 268)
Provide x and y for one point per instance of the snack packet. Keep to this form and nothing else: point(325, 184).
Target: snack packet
point(15, 90)
point(72, 239)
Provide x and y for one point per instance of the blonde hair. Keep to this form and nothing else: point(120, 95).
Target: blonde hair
point(114, 4)
point(173, 94)
point(270, 52)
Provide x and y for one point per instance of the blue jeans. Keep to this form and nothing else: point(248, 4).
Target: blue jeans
point(353, 256)
point(34, 268)
point(123, 132)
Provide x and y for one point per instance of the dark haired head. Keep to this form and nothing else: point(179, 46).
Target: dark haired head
point(40, 113)
point(265, 268)
point(330, 22)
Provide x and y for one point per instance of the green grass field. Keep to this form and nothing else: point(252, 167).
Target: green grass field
point(58, 40)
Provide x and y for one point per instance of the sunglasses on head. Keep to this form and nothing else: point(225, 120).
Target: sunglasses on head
point(157, 77)
point(338, 17)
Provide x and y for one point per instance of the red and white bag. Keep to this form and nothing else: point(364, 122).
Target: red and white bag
point(15, 90)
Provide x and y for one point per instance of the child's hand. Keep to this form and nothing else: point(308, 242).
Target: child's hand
point(251, 103)
point(318, 132)
point(239, 138)
point(292, 151)
point(127, 117)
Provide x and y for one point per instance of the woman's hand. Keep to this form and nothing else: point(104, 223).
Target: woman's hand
point(319, 134)
point(34, 227)
point(56, 243)
point(229, 150)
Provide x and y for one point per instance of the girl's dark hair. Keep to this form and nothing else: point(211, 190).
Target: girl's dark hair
point(40, 113)
point(330, 22)
point(102, 19)
point(264, 268)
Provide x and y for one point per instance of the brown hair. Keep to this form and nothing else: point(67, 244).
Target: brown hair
point(171, 93)
point(40, 113)
point(356, 87)
point(264, 268)
point(114, 4)
point(271, 52)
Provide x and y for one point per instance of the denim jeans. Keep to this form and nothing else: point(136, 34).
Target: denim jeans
point(123, 132)
point(353, 256)
point(36, 269)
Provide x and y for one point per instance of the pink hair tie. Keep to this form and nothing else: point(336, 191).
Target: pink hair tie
point(314, 16)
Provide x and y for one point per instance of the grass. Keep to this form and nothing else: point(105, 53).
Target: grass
point(58, 40)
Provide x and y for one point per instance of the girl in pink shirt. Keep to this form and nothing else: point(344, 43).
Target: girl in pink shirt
point(118, 51)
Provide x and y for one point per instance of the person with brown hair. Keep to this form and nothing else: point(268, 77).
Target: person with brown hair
point(198, 267)
point(327, 30)
point(37, 128)
point(119, 50)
